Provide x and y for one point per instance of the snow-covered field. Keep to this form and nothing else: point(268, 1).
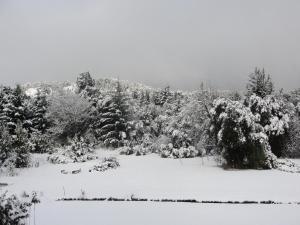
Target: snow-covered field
point(154, 177)
point(132, 213)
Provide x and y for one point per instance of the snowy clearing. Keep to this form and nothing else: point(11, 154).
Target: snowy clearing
point(154, 177)
point(112, 213)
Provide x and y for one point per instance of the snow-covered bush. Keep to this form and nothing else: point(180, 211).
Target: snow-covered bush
point(241, 138)
point(78, 151)
point(8, 167)
point(126, 150)
point(13, 211)
point(168, 151)
point(41, 143)
point(106, 164)
point(189, 152)
point(179, 138)
point(273, 117)
point(135, 150)
point(140, 150)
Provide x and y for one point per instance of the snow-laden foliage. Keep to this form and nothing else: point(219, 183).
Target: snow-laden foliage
point(69, 115)
point(5, 144)
point(135, 150)
point(168, 151)
point(37, 109)
point(21, 146)
point(292, 105)
point(14, 149)
point(106, 164)
point(79, 150)
point(190, 124)
point(84, 80)
point(13, 211)
point(260, 84)
point(14, 108)
point(112, 117)
point(242, 139)
point(274, 118)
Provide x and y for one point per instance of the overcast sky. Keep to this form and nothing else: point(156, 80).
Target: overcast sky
point(157, 42)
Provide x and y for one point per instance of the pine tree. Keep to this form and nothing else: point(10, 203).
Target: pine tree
point(7, 108)
point(260, 84)
point(21, 146)
point(84, 80)
point(39, 108)
point(110, 127)
point(14, 108)
point(165, 95)
point(6, 148)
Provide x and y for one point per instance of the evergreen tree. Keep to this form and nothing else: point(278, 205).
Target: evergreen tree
point(6, 148)
point(14, 108)
point(260, 83)
point(84, 80)
point(21, 146)
point(39, 108)
point(165, 95)
point(111, 123)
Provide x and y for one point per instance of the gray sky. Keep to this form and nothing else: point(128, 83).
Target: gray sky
point(158, 42)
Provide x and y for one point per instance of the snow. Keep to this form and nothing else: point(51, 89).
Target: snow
point(113, 213)
point(31, 92)
point(154, 177)
point(71, 88)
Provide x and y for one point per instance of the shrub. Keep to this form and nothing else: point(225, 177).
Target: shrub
point(239, 135)
point(126, 150)
point(168, 151)
point(106, 164)
point(40, 143)
point(273, 117)
point(12, 210)
point(78, 151)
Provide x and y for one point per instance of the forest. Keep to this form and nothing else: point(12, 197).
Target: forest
point(68, 120)
point(258, 128)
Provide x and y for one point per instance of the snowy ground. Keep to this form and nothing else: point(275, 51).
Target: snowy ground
point(153, 177)
point(113, 213)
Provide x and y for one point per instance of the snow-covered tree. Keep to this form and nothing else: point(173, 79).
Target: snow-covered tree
point(69, 115)
point(13, 108)
point(111, 122)
point(6, 148)
point(260, 84)
point(84, 80)
point(241, 138)
point(38, 110)
point(273, 117)
point(162, 96)
point(21, 146)
point(293, 141)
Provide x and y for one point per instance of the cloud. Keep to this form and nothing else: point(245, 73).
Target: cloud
point(179, 43)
